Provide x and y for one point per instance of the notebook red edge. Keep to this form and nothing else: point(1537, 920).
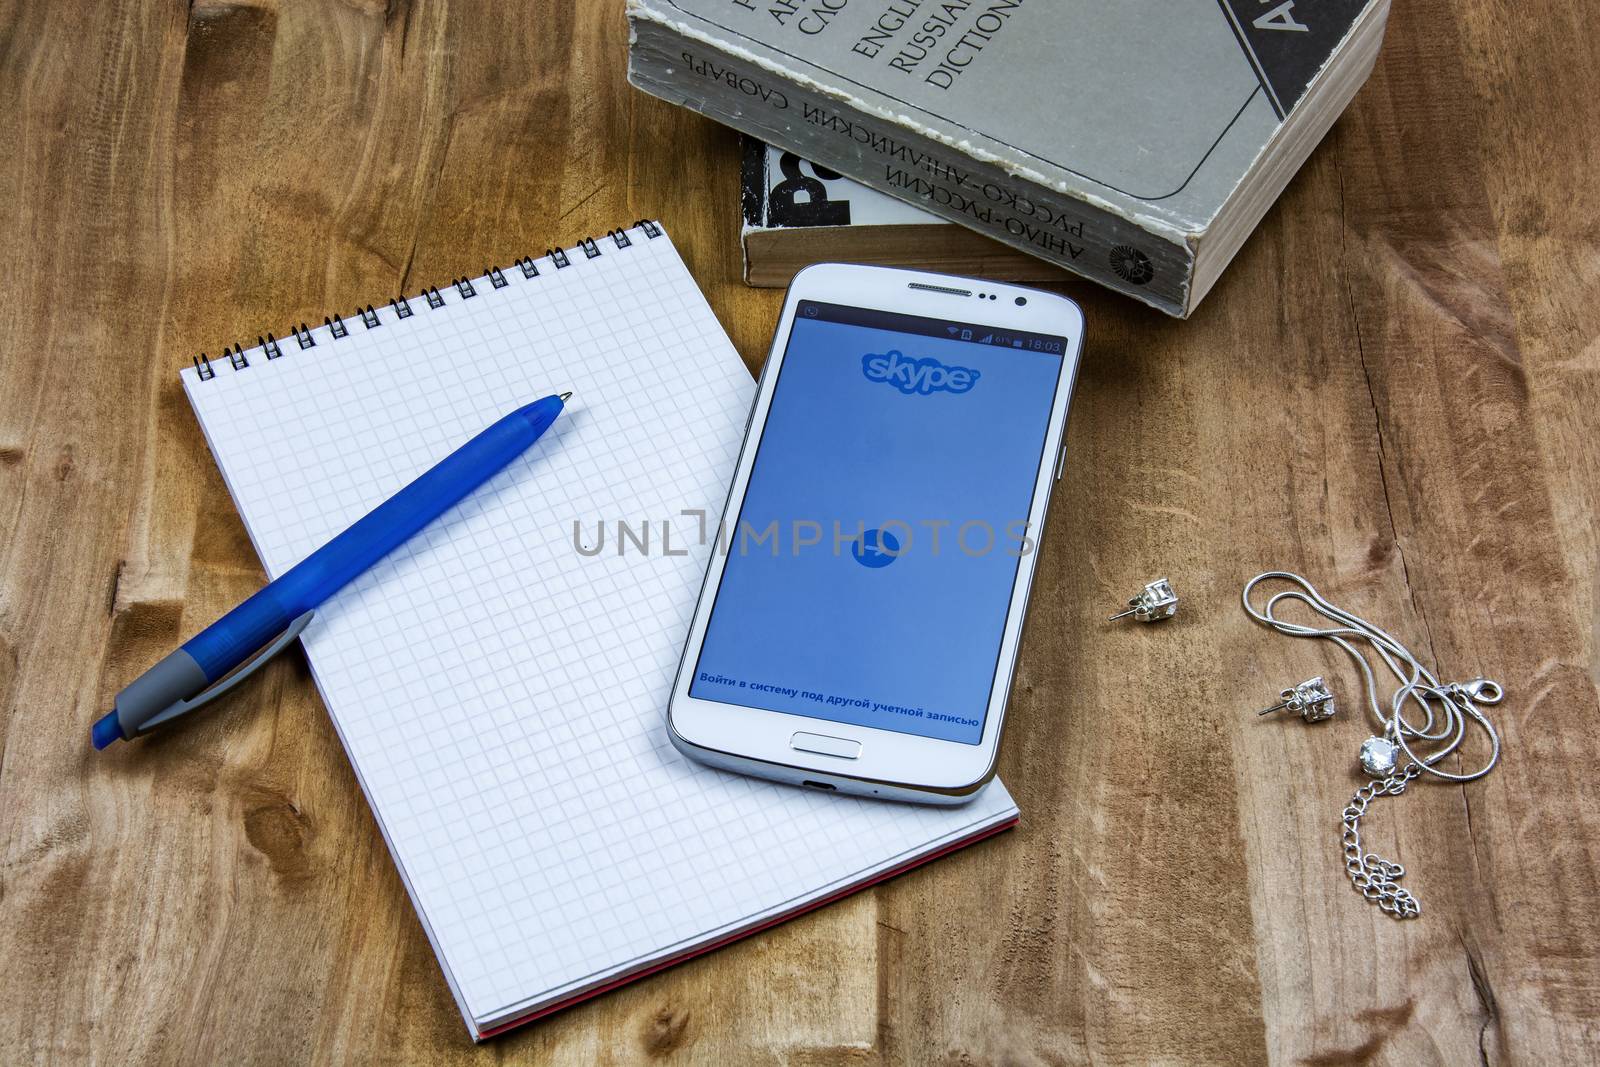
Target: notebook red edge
point(712, 946)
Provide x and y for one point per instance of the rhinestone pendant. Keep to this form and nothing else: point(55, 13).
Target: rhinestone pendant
point(1379, 757)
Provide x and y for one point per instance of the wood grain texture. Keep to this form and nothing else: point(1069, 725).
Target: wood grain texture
point(1393, 390)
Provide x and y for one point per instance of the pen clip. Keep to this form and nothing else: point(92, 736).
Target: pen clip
point(231, 679)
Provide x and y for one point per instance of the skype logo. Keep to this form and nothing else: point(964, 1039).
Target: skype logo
point(876, 548)
point(917, 376)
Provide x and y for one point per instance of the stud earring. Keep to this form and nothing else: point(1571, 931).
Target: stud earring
point(1311, 700)
point(1156, 602)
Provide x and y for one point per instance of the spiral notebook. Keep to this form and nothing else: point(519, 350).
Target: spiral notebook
point(498, 685)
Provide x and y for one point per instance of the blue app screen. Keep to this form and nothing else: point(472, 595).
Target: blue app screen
point(871, 567)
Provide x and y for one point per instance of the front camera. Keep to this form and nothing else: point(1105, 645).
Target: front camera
point(1021, 300)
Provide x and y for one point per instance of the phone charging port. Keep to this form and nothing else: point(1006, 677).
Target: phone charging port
point(817, 785)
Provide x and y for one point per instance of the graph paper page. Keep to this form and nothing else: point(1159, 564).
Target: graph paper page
point(499, 692)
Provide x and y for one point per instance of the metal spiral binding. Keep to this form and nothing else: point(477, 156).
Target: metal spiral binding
point(371, 318)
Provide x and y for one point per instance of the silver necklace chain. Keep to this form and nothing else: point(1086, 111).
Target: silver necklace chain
point(1376, 878)
point(1445, 711)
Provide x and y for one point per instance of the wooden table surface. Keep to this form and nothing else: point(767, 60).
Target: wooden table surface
point(1392, 390)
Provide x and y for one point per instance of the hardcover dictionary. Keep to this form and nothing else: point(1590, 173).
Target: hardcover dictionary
point(1136, 143)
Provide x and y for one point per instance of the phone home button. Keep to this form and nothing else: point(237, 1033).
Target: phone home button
point(842, 747)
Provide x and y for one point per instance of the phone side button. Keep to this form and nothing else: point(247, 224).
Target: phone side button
point(842, 747)
point(1061, 462)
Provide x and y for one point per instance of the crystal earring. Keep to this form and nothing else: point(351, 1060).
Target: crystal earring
point(1311, 700)
point(1156, 602)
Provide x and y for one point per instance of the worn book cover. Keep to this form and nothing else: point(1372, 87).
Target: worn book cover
point(1135, 142)
point(795, 212)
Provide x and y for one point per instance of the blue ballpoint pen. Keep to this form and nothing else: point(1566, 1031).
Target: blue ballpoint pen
point(226, 652)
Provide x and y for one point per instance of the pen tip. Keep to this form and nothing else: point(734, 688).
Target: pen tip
point(566, 396)
point(105, 731)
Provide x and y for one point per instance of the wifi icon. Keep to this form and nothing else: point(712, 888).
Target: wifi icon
point(952, 330)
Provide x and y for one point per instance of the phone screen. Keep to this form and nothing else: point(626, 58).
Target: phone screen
point(871, 567)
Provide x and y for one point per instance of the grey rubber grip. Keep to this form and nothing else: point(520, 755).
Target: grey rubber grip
point(175, 678)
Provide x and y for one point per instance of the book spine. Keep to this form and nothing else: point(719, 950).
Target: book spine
point(752, 198)
point(1081, 237)
point(753, 182)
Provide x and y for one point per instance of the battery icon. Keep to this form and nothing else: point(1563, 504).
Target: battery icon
point(1017, 343)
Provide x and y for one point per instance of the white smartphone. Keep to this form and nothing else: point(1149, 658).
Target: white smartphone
point(862, 609)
